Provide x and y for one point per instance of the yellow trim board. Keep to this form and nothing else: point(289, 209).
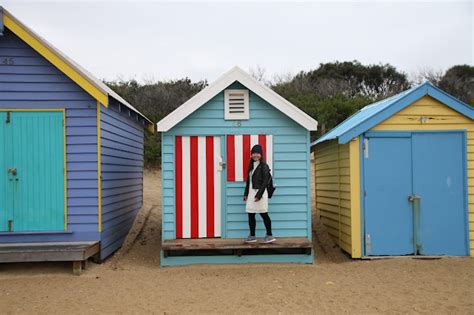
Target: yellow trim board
point(99, 172)
point(37, 44)
point(32, 109)
point(354, 156)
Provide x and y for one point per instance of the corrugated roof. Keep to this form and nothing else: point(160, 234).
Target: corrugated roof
point(358, 122)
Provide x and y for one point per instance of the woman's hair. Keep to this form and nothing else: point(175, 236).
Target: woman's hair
point(250, 167)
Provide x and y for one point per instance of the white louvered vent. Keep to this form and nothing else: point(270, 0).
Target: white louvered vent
point(236, 104)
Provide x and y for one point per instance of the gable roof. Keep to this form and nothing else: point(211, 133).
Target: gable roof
point(93, 86)
point(373, 114)
point(236, 74)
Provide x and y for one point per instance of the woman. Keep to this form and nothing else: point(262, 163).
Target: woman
point(256, 196)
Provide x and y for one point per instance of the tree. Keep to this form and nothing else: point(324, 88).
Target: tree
point(156, 100)
point(459, 82)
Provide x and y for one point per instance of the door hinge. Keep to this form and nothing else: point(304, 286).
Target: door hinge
point(8, 118)
point(10, 225)
point(365, 147)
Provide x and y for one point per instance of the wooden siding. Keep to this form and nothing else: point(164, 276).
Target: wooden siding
point(438, 116)
point(290, 206)
point(333, 191)
point(28, 81)
point(122, 176)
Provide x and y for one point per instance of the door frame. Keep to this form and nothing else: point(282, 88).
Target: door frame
point(223, 182)
point(408, 133)
point(63, 111)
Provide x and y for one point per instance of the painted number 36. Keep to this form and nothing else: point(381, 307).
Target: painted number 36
point(7, 61)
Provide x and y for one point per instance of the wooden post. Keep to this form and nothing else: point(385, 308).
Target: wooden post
point(77, 267)
point(85, 264)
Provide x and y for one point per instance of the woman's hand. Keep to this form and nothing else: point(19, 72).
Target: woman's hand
point(257, 199)
point(245, 198)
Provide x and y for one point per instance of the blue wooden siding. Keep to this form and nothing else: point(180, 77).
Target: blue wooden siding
point(289, 208)
point(31, 82)
point(122, 176)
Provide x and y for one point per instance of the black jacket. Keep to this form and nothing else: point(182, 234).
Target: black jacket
point(260, 179)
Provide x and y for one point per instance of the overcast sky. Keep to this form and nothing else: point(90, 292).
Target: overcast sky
point(201, 40)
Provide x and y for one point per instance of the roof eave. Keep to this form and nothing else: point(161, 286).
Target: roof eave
point(236, 74)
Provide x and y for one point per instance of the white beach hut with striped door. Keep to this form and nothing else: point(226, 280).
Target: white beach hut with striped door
point(206, 146)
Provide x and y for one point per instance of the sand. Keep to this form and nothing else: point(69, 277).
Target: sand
point(133, 282)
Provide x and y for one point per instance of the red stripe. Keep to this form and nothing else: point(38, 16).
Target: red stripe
point(245, 154)
point(194, 187)
point(210, 185)
point(179, 186)
point(230, 158)
point(262, 140)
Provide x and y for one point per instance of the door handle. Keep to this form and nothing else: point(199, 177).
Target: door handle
point(12, 170)
point(412, 198)
point(223, 164)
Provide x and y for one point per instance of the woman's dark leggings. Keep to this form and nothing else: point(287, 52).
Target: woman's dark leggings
point(266, 221)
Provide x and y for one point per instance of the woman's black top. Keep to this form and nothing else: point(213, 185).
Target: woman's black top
point(260, 179)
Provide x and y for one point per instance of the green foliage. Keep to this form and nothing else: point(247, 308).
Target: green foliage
point(330, 93)
point(459, 82)
point(156, 100)
point(334, 91)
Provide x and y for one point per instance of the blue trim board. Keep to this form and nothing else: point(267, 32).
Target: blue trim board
point(232, 259)
point(308, 175)
point(362, 197)
point(466, 193)
point(373, 114)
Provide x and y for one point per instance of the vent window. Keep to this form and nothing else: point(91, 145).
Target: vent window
point(236, 104)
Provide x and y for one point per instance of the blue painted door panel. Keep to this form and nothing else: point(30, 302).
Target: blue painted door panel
point(438, 179)
point(34, 193)
point(388, 182)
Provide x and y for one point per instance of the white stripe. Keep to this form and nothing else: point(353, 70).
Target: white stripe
point(269, 153)
point(239, 173)
point(202, 186)
point(186, 187)
point(217, 188)
point(253, 141)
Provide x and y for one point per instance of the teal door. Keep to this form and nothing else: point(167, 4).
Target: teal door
point(32, 171)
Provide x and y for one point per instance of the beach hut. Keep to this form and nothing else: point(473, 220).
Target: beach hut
point(205, 151)
point(71, 155)
point(397, 177)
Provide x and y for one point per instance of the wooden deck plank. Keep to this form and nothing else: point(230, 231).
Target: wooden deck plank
point(36, 252)
point(233, 243)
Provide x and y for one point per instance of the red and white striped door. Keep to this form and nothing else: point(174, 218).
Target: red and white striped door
point(198, 186)
point(238, 154)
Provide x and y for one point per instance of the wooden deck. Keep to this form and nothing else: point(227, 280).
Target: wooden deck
point(234, 246)
point(77, 252)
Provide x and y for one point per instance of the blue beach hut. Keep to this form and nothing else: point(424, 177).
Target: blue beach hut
point(71, 155)
point(397, 177)
point(205, 150)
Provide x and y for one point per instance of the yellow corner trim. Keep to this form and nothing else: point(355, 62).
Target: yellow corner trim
point(99, 172)
point(32, 40)
point(354, 155)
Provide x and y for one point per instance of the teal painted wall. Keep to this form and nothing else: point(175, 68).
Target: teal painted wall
point(290, 207)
